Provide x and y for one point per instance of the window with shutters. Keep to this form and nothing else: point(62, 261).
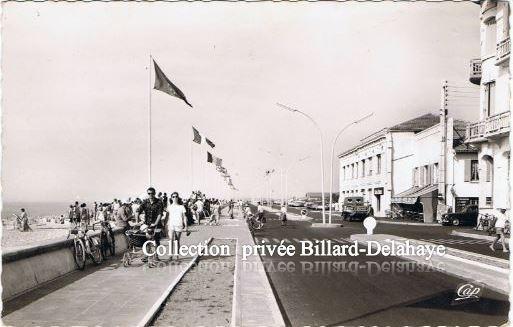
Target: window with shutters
point(474, 170)
point(489, 99)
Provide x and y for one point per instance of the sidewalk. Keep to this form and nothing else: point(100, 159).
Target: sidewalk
point(117, 296)
point(490, 271)
point(477, 234)
point(385, 220)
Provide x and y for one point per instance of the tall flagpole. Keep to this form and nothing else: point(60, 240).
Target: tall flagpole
point(192, 165)
point(149, 123)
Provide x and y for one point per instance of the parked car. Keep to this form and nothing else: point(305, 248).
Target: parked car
point(318, 206)
point(468, 216)
point(354, 208)
point(296, 203)
point(310, 205)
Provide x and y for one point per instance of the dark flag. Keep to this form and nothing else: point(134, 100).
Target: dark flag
point(209, 157)
point(212, 145)
point(162, 83)
point(197, 136)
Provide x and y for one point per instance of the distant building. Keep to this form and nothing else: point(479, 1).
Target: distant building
point(491, 133)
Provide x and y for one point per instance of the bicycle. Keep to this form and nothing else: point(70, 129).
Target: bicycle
point(84, 246)
point(107, 240)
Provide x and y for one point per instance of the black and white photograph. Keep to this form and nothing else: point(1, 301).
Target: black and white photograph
point(255, 163)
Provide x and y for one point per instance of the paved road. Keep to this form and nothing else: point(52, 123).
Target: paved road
point(366, 291)
point(438, 235)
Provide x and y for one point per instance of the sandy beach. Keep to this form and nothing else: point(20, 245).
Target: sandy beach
point(14, 238)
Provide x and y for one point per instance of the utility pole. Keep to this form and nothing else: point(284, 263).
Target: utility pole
point(443, 145)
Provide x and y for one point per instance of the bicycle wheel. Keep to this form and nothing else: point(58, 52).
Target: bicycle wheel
point(79, 254)
point(96, 254)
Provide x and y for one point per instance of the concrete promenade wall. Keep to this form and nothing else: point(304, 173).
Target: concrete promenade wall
point(25, 269)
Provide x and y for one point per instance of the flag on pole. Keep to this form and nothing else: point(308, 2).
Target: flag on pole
point(162, 83)
point(209, 157)
point(212, 145)
point(197, 136)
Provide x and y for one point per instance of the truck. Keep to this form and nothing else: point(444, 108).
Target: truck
point(354, 208)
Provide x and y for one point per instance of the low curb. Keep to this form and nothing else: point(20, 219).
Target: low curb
point(150, 315)
point(321, 225)
point(379, 221)
point(476, 236)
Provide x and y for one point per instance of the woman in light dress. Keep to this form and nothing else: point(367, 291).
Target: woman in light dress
point(177, 220)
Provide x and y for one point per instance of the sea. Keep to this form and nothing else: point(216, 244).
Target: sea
point(35, 209)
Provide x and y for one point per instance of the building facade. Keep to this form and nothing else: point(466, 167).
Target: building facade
point(491, 134)
point(399, 168)
point(368, 169)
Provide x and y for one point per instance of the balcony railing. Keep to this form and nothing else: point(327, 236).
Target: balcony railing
point(475, 71)
point(492, 126)
point(503, 51)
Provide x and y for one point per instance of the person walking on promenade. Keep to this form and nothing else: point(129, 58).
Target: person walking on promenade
point(260, 210)
point(165, 199)
point(200, 213)
point(283, 215)
point(95, 209)
point(177, 221)
point(216, 211)
point(84, 214)
point(76, 214)
point(152, 209)
point(230, 209)
point(123, 216)
point(70, 214)
point(500, 225)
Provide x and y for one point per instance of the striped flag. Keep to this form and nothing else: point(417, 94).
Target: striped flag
point(162, 83)
point(197, 136)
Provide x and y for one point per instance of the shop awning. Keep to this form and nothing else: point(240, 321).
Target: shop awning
point(411, 195)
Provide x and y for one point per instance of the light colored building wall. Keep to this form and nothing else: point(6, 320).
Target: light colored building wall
point(494, 153)
point(372, 181)
point(402, 161)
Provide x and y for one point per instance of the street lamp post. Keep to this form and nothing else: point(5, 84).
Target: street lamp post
point(333, 154)
point(322, 153)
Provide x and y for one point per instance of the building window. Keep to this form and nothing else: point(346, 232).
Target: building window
point(370, 166)
point(489, 201)
point(435, 173)
point(415, 177)
point(363, 168)
point(474, 170)
point(378, 164)
point(489, 99)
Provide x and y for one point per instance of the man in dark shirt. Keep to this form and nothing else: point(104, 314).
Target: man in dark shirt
point(153, 209)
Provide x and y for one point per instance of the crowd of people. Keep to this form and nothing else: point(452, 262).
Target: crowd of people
point(168, 216)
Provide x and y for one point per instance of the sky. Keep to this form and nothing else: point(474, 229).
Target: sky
point(76, 86)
